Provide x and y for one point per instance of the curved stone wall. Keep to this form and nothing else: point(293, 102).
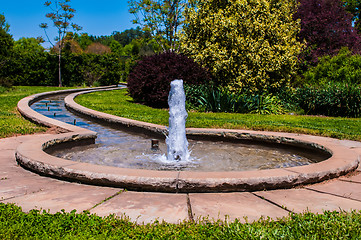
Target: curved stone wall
point(31, 155)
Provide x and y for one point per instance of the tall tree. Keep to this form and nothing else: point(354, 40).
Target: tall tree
point(3, 24)
point(128, 35)
point(162, 18)
point(244, 43)
point(6, 40)
point(61, 15)
point(6, 45)
point(326, 27)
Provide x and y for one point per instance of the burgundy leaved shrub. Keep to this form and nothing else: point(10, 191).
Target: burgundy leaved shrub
point(326, 26)
point(149, 80)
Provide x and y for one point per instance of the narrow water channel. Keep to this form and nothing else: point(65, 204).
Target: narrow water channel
point(114, 147)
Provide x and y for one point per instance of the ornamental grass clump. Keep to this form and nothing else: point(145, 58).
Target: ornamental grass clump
point(149, 81)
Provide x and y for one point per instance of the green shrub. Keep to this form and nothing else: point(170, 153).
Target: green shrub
point(41, 69)
point(149, 81)
point(330, 100)
point(213, 99)
point(244, 43)
point(342, 68)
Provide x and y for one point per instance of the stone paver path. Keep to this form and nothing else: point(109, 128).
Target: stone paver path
point(30, 190)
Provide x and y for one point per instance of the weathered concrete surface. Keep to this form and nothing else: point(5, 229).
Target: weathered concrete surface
point(145, 207)
point(351, 190)
point(301, 200)
point(230, 206)
point(54, 197)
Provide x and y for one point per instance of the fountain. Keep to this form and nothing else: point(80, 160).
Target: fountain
point(222, 160)
point(177, 144)
point(127, 149)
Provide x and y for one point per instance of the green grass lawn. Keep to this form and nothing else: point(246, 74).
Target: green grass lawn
point(15, 224)
point(11, 122)
point(118, 103)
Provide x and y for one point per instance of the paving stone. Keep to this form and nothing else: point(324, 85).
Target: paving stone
point(9, 143)
point(351, 144)
point(7, 159)
point(67, 196)
point(301, 200)
point(340, 188)
point(19, 185)
point(145, 207)
point(232, 206)
point(355, 178)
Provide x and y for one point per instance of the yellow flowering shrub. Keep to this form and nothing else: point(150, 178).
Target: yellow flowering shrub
point(244, 43)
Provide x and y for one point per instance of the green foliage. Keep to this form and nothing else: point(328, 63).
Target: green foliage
point(6, 44)
point(342, 68)
point(3, 24)
point(29, 46)
point(214, 99)
point(84, 40)
point(120, 104)
point(244, 43)
point(127, 36)
point(41, 69)
point(36, 224)
point(161, 18)
point(330, 100)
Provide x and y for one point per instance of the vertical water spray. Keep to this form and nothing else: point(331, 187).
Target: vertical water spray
point(177, 144)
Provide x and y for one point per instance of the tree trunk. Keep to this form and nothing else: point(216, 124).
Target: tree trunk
point(60, 82)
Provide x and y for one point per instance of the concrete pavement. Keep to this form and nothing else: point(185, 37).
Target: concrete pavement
point(30, 190)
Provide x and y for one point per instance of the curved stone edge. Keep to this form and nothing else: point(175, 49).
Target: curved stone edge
point(23, 107)
point(111, 119)
point(31, 155)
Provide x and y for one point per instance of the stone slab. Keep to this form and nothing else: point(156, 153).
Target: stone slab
point(13, 186)
point(7, 158)
point(233, 205)
point(354, 178)
point(301, 200)
point(67, 196)
point(145, 207)
point(340, 188)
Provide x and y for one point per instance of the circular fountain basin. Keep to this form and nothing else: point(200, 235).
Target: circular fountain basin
point(339, 159)
point(206, 156)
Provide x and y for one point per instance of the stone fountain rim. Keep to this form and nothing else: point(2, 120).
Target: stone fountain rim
point(32, 156)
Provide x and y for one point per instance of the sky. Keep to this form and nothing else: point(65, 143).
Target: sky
point(96, 17)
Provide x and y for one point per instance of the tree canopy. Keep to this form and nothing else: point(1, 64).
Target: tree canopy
point(326, 27)
point(244, 43)
point(6, 40)
point(161, 18)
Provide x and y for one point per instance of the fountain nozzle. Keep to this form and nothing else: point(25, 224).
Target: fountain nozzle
point(155, 144)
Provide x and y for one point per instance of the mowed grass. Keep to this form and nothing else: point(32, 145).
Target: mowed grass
point(11, 122)
point(118, 103)
point(15, 224)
